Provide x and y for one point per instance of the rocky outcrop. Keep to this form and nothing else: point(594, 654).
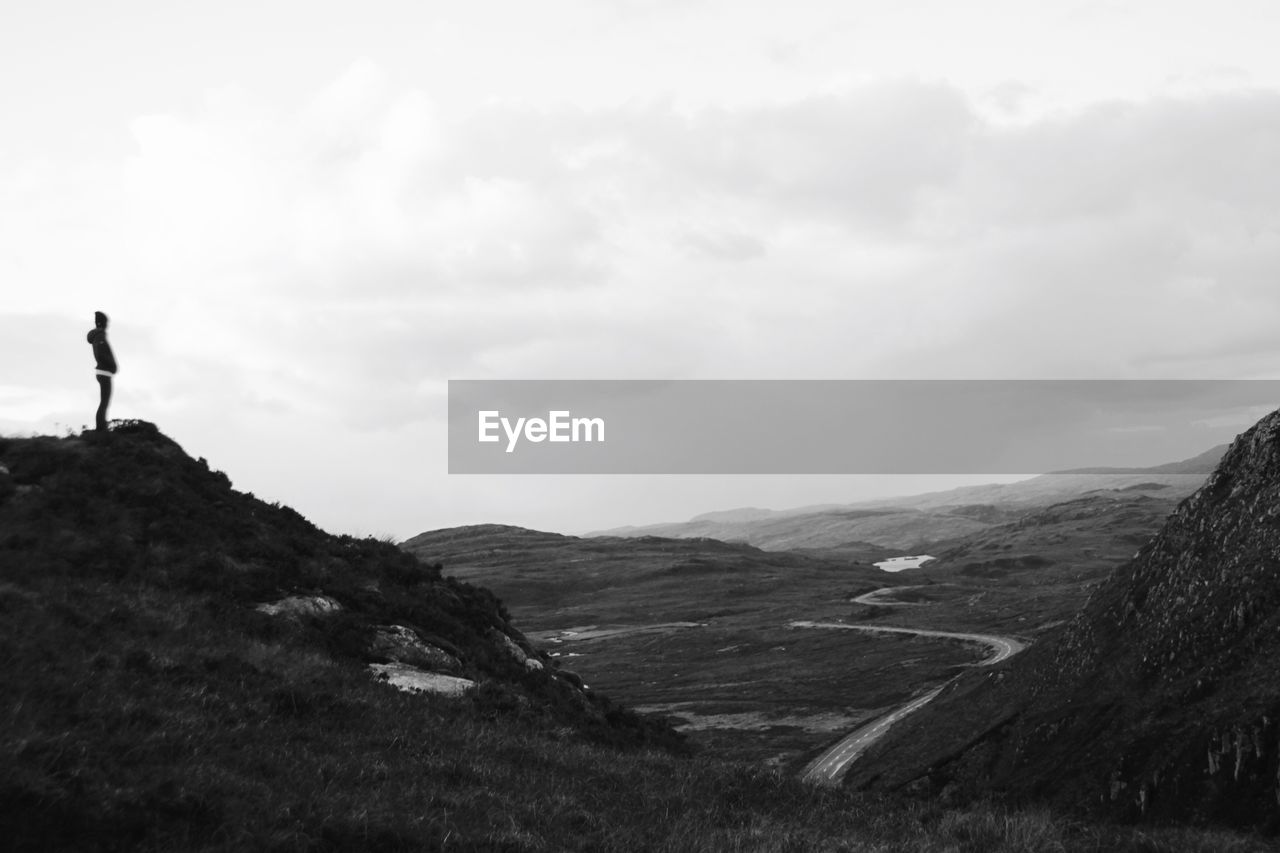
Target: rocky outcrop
point(571, 677)
point(514, 651)
point(399, 644)
point(1161, 699)
point(300, 605)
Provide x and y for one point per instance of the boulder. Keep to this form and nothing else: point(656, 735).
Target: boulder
point(413, 680)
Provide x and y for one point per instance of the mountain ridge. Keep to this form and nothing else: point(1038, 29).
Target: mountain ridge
point(1202, 463)
point(917, 522)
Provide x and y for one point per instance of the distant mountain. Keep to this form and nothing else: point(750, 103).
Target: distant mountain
point(1202, 464)
point(1083, 538)
point(919, 521)
point(1161, 699)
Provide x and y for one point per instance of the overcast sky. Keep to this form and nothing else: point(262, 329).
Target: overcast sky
point(304, 218)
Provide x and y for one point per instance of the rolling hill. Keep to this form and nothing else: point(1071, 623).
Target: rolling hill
point(553, 580)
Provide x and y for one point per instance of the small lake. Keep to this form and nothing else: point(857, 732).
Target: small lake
point(897, 564)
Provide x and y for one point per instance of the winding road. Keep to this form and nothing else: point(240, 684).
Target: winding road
point(830, 767)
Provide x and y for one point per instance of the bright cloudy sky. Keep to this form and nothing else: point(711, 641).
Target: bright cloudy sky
point(304, 218)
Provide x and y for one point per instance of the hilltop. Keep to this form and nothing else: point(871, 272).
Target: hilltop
point(173, 646)
point(1161, 699)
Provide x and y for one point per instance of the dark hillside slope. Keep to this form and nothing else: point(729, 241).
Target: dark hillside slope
point(148, 701)
point(1162, 697)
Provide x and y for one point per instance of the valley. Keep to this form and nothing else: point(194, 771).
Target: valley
point(715, 636)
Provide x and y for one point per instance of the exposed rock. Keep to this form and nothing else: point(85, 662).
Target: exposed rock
point(300, 605)
point(400, 644)
point(413, 680)
point(571, 677)
point(512, 649)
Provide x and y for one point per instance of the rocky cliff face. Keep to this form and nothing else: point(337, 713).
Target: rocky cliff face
point(1160, 700)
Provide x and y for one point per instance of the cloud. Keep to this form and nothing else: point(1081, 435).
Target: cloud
point(292, 285)
point(724, 245)
point(346, 256)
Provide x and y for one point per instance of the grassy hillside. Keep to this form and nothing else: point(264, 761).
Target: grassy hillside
point(556, 581)
point(1030, 575)
point(146, 691)
point(1160, 699)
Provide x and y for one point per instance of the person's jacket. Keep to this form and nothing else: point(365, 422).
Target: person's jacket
point(102, 350)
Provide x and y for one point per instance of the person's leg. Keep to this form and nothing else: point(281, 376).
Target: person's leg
point(104, 395)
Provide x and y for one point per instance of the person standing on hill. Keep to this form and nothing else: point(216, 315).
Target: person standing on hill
point(106, 366)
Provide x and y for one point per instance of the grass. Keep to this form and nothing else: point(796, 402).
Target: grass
point(163, 728)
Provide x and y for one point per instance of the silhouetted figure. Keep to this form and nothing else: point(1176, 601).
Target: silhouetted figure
point(106, 366)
